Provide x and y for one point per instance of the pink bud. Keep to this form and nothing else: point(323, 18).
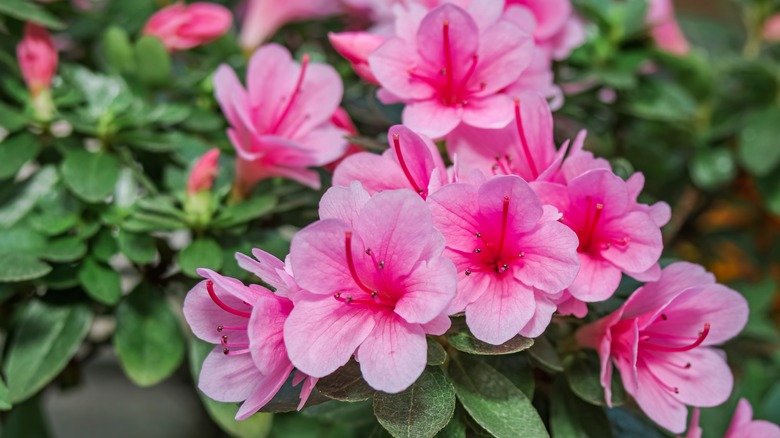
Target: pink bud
point(37, 58)
point(772, 28)
point(664, 28)
point(182, 27)
point(203, 174)
point(355, 47)
point(264, 17)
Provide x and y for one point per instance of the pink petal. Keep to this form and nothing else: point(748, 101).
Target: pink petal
point(462, 36)
point(391, 62)
point(600, 186)
point(541, 318)
point(675, 278)
point(419, 154)
point(504, 52)
point(491, 112)
point(271, 77)
point(437, 326)
point(660, 404)
point(550, 262)
point(228, 378)
point(324, 143)
point(376, 173)
point(266, 387)
point(321, 334)
point(308, 386)
point(502, 311)
point(525, 209)
point(265, 266)
point(596, 281)
point(429, 289)
point(203, 315)
point(393, 355)
point(743, 426)
point(319, 97)
point(266, 328)
point(708, 382)
point(431, 117)
point(644, 246)
point(344, 203)
point(318, 257)
point(470, 289)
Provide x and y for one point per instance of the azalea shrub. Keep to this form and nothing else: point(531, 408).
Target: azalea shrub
point(416, 218)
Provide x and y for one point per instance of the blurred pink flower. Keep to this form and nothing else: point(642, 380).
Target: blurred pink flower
point(355, 47)
point(342, 120)
point(412, 162)
point(250, 362)
point(37, 58)
point(616, 234)
point(181, 26)
point(772, 28)
point(204, 172)
point(660, 342)
point(264, 17)
point(449, 66)
point(282, 124)
point(513, 257)
point(744, 426)
point(557, 30)
point(378, 283)
point(664, 28)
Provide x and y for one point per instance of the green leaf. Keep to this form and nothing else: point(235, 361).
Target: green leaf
point(152, 141)
point(545, 355)
point(44, 339)
point(117, 49)
point(583, 373)
point(467, 343)
point(5, 399)
point(11, 119)
point(759, 142)
point(91, 176)
point(345, 384)
point(712, 168)
point(21, 267)
point(662, 101)
point(25, 197)
point(570, 417)
point(104, 246)
point(26, 420)
point(64, 249)
point(24, 10)
point(769, 186)
point(107, 96)
point(258, 425)
point(16, 151)
point(101, 282)
point(148, 339)
point(152, 61)
point(244, 211)
point(493, 401)
point(202, 253)
point(420, 411)
point(456, 428)
point(436, 354)
point(21, 240)
point(140, 248)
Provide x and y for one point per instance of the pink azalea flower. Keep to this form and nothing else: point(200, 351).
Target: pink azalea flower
point(557, 30)
point(660, 340)
point(412, 162)
point(203, 174)
point(264, 17)
point(513, 257)
point(450, 66)
point(37, 58)
point(282, 123)
point(664, 28)
point(376, 283)
point(250, 362)
point(617, 235)
point(182, 27)
point(772, 28)
point(355, 47)
point(744, 426)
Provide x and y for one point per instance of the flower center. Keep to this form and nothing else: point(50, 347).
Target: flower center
point(370, 296)
point(586, 232)
point(244, 348)
point(650, 346)
point(295, 93)
point(494, 257)
point(404, 167)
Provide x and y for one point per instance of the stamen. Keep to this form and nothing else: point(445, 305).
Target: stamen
point(229, 352)
point(447, 58)
point(504, 219)
point(662, 384)
point(225, 343)
point(470, 72)
point(221, 328)
point(524, 141)
point(295, 93)
point(590, 225)
point(696, 343)
point(351, 264)
point(402, 162)
point(222, 305)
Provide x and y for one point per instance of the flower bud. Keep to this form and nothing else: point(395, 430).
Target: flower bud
point(203, 174)
point(355, 47)
point(182, 27)
point(37, 58)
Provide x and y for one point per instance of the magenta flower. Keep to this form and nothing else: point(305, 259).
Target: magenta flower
point(182, 27)
point(513, 257)
point(250, 362)
point(451, 68)
point(412, 162)
point(660, 342)
point(204, 172)
point(37, 58)
point(282, 124)
point(616, 234)
point(376, 283)
point(264, 17)
point(664, 28)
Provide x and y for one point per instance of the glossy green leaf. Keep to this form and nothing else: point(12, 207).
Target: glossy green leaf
point(16, 151)
point(570, 417)
point(100, 281)
point(245, 211)
point(712, 168)
point(44, 340)
point(64, 249)
point(493, 401)
point(422, 410)
point(117, 49)
point(5, 398)
point(26, 195)
point(467, 343)
point(28, 11)
point(148, 339)
point(26, 420)
point(758, 142)
point(11, 119)
point(91, 176)
point(139, 248)
point(201, 253)
point(345, 384)
point(153, 63)
point(104, 245)
point(436, 354)
point(21, 267)
point(583, 374)
point(545, 355)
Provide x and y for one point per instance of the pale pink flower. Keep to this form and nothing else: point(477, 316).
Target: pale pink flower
point(282, 123)
point(772, 28)
point(264, 17)
point(513, 257)
point(617, 235)
point(744, 426)
point(557, 30)
point(204, 172)
point(250, 362)
point(376, 283)
point(411, 162)
point(664, 28)
point(660, 340)
point(181, 26)
point(450, 67)
point(37, 58)
point(355, 47)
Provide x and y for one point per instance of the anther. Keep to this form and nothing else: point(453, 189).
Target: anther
point(468, 272)
point(381, 264)
point(478, 235)
point(477, 251)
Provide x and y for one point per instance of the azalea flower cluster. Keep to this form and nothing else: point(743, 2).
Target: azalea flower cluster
point(513, 232)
